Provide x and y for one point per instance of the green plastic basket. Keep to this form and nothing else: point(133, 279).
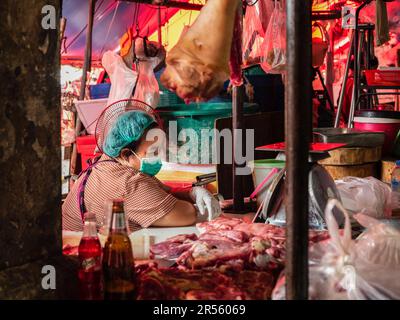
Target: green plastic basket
point(195, 117)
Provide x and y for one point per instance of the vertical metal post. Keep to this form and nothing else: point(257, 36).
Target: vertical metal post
point(298, 128)
point(159, 32)
point(344, 83)
point(237, 125)
point(85, 69)
point(356, 86)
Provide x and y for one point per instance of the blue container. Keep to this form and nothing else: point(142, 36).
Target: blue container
point(100, 91)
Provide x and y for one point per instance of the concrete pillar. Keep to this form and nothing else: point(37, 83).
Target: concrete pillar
point(30, 202)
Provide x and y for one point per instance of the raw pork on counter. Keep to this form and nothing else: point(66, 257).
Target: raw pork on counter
point(230, 242)
point(174, 284)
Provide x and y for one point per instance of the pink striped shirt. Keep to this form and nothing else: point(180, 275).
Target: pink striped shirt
point(145, 199)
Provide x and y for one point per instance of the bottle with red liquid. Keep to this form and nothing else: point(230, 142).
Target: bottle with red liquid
point(90, 269)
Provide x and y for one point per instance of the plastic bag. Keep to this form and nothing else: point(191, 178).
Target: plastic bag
point(255, 24)
point(344, 269)
point(147, 89)
point(367, 195)
point(122, 78)
point(274, 44)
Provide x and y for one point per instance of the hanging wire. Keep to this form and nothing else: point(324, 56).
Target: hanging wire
point(84, 28)
point(109, 27)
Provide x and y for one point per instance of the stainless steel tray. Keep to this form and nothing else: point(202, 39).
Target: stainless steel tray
point(352, 137)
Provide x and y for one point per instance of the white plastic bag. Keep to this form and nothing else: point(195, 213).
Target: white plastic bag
point(274, 45)
point(122, 78)
point(147, 89)
point(344, 269)
point(367, 195)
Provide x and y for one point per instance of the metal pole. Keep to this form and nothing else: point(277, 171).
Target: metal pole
point(344, 83)
point(171, 4)
point(86, 68)
point(356, 85)
point(356, 90)
point(159, 26)
point(298, 130)
point(237, 126)
point(330, 74)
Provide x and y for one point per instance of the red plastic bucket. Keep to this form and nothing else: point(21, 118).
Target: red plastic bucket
point(379, 121)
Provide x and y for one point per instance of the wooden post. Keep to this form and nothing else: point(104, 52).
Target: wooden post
point(86, 68)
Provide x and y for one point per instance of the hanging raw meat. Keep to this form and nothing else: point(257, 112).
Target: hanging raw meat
point(235, 62)
point(198, 65)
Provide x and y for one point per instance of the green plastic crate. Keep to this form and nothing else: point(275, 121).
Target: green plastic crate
point(198, 116)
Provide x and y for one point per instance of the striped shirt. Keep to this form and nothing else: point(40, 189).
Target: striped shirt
point(145, 199)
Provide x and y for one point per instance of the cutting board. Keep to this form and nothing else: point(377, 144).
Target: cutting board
point(352, 156)
point(361, 171)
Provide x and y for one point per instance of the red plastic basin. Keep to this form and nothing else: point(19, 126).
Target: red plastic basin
point(383, 121)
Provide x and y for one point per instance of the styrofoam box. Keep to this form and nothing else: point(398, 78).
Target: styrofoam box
point(89, 111)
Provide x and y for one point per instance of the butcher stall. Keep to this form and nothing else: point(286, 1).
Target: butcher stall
point(316, 216)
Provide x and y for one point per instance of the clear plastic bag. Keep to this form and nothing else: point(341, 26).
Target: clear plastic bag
point(122, 78)
point(344, 269)
point(367, 195)
point(274, 44)
point(147, 88)
point(255, 23)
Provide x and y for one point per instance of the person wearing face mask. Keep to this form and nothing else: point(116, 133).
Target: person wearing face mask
point(125, 170)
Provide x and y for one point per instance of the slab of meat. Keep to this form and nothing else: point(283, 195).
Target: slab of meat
point(173, 247)
point(225, 235)
point(232, 243)
point(172, 284)
point(198, 65)
point(221, 223)
point(213, 253)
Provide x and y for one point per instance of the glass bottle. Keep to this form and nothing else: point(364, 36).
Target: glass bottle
point(89, 252)
point(118, 263)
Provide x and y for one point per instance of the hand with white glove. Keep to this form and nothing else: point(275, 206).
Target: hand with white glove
point(205, 201)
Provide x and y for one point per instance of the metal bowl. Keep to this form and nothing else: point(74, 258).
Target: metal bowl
point(352, 137)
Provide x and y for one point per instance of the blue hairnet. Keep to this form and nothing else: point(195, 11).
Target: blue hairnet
point(129, 127)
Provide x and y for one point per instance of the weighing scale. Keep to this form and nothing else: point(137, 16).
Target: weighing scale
point(321, 188)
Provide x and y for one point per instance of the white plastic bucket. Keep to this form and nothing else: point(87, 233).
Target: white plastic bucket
point(261, 168)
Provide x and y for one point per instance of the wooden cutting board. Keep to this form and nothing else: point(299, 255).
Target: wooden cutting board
point(352, 156)
point(361, 171)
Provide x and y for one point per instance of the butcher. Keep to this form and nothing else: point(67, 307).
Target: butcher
point(125, 170)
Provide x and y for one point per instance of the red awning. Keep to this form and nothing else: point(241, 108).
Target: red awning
point(111, 20)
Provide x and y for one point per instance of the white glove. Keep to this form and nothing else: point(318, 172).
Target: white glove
point(205, 201)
